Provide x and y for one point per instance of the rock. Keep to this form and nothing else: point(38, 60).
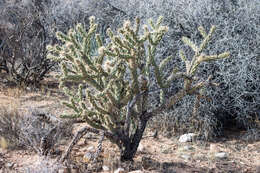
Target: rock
point(120, 170)
point(141, 148)
point(221, 155)
point(9, 165)
point(28, 88)
point(105, 168)
point(186, 156)
point(187, 137)
point(91, 148)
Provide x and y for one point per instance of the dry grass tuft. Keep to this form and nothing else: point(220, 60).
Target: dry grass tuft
point(27, 129)
point(9, 125)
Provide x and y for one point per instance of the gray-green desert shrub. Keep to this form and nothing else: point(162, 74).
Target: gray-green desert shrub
point(22, 44)
point(117, 79)
point(236, 101)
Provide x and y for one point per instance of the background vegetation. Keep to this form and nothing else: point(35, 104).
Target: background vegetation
point(27, 26)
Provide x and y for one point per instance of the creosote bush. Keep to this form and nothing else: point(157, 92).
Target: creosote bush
point(118, 78)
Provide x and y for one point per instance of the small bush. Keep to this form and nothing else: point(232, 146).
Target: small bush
point(28, 130)
point(9, 126)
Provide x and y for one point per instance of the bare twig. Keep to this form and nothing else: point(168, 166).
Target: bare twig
point(99, 147)
point(80, 134)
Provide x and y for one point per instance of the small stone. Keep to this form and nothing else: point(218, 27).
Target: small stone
point(185, 156)
point(141, 148)
point(105, 168)
point(120, 170)
point(221, 155)
point(28, 89)
point(187, 137)
point(9, 165)
point(91, 148)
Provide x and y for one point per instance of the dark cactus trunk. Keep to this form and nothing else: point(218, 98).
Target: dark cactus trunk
point(130, 145)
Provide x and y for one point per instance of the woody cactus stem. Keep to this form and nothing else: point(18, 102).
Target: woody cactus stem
point(118, 77)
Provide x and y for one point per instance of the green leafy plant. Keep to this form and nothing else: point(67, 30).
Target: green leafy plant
point(118, 79)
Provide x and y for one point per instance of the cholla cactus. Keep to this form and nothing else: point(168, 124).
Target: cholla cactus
point(118, 78)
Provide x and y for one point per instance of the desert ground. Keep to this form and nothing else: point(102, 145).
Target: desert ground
point(160, 154)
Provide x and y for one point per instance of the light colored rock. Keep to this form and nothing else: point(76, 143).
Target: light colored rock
point(187, 137)
point(186, 156)
point(91, 148)
point(120, 170)
point(9, 165)
point(221, 155)
point(141, 148)
point(105, 168)
point(28, 88)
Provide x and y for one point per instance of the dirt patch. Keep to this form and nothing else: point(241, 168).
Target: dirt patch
point(160, 155)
